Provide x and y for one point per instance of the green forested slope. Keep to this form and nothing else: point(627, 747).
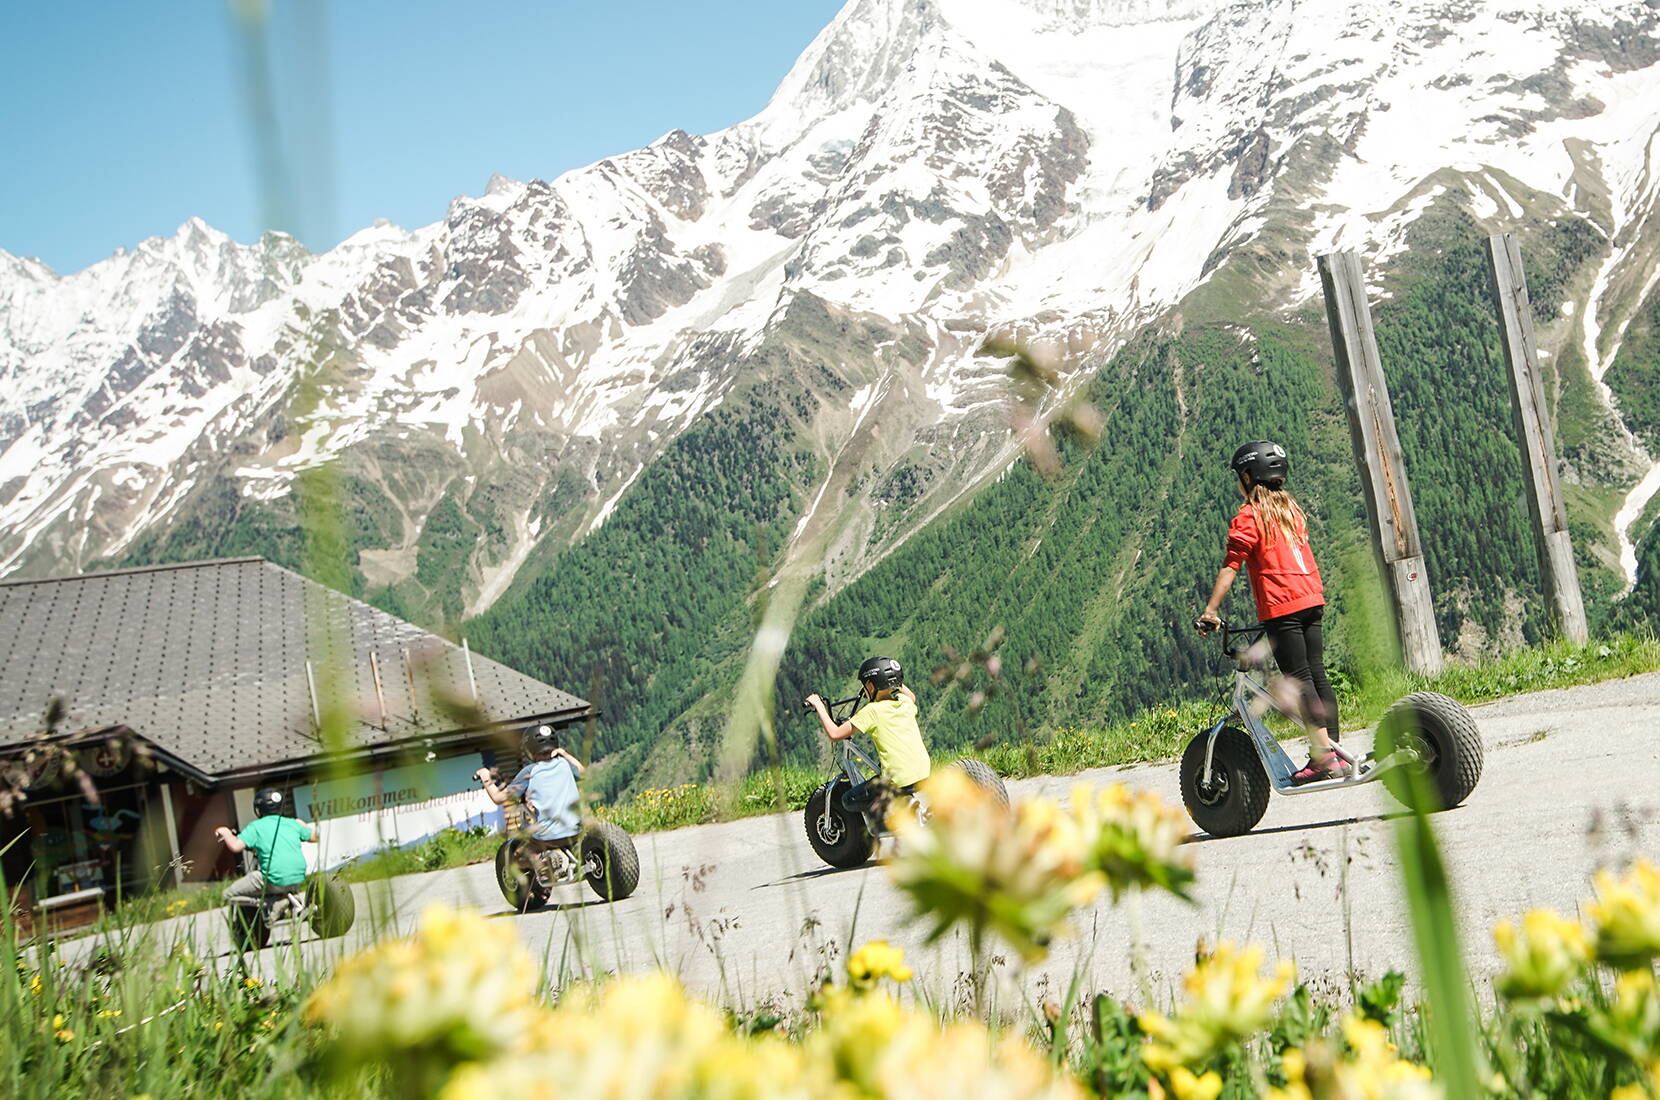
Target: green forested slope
point(1094, 574)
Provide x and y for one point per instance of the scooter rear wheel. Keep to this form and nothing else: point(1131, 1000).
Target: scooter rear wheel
point(1448, 745)
point(981, 775)
point(332, 907)
point(843, 841)
point(1237, 795)
point(610, 863)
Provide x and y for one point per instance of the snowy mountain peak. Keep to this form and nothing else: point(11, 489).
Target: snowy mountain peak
point(928, 170)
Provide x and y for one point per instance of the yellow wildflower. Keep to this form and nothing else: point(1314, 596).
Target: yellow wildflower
point(1186, 1086)
point(877, 1048)
point(34, 985)
point(251, 983)
point(1014, 872)
point(1627, 915)
point(1633, 1014)
point(1371, 1070)
point(1541, 959)
point(1228, 999)
point(61, 1033)
point(460, 988)
point(874, 961)
point(1639, 1092)
point(109, 1014)
point(638, 1036)
point(1133, 838)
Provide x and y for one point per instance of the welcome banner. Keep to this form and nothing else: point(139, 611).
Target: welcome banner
point(393, 807)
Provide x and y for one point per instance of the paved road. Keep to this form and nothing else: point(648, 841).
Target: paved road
point(744, 909)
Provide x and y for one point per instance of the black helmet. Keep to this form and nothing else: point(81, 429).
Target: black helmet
point(538, 741)
point(1263, 461)
point(272, 800)
point(884, 672)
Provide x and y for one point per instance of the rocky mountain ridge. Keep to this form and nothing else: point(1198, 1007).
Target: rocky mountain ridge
point(930, 171)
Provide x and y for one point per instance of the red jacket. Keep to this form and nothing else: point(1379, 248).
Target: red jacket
point(1284, 578)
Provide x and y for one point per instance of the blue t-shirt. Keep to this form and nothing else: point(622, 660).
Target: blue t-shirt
point(549, 790)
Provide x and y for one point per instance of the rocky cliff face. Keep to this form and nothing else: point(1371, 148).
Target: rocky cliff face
point(490, 386)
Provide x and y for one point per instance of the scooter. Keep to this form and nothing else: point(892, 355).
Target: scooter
point(602, 855)
point(844, 838)
point(322, 901)
point(1228, 770)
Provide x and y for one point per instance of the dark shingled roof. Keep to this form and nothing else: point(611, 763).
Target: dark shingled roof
point(207, 661)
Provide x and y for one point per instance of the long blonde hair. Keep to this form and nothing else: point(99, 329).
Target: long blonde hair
point(1276, 513)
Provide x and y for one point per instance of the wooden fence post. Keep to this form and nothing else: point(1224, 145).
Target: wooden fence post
point(1557, 572)
point(1378, 453)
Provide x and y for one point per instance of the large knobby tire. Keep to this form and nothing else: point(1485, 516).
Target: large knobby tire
point(331, 905)
point(982, 776)
point(1446, 740)
point(250, 931)
point(846, 842)
point(521, 889)
point(1238, 796)
point(609, 862)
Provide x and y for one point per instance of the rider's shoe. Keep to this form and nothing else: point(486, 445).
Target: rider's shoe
point(1327, 765)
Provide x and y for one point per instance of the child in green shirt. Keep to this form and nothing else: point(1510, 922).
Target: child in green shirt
point(274, 836)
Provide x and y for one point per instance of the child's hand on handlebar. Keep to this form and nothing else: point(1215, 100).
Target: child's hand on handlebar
point(1207, 622)
point(484, 775)
point(814, 702)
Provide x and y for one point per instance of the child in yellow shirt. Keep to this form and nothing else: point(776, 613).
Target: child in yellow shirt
point(889, 717)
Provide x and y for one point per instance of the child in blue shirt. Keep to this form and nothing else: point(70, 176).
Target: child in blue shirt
point(546, 785)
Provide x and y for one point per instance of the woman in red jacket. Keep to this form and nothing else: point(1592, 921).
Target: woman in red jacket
point(1270, 536)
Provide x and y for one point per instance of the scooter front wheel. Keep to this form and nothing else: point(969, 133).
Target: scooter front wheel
point(1236, 795)
point(518, 881)
point(250, 931)
point(838, 836)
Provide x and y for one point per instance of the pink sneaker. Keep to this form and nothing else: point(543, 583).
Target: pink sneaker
point(1327, 765)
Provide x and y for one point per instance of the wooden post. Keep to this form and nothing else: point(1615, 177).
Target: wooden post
point(1557, 571)
point(1378, 453)
point(380, 694)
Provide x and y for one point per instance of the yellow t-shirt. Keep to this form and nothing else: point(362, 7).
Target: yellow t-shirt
point(891, 723)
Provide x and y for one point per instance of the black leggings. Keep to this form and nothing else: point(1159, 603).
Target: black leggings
point(1299, 650)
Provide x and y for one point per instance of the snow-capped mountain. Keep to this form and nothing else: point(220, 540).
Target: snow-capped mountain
point(928, 172)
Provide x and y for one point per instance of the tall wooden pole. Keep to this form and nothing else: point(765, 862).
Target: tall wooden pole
point(1378, 453)
point(1557, 571)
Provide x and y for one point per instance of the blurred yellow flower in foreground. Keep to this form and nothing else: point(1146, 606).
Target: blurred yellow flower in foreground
point(1372, 1069)
point(872, 1047)
point(459, 988)
point(1228, 999)
point(1638, 1092)
point(639, 1037)
point(1186, 1085)
point(1013, 872)
point(1633, 1014)
point(1543, 957)
point(874, 961)
point(1134, 839)
point(1627, 915)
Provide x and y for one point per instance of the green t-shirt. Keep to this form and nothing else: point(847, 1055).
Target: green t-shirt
point(891, 723)
point(276, 841)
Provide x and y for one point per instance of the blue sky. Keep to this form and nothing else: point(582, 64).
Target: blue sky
point(119, 120)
